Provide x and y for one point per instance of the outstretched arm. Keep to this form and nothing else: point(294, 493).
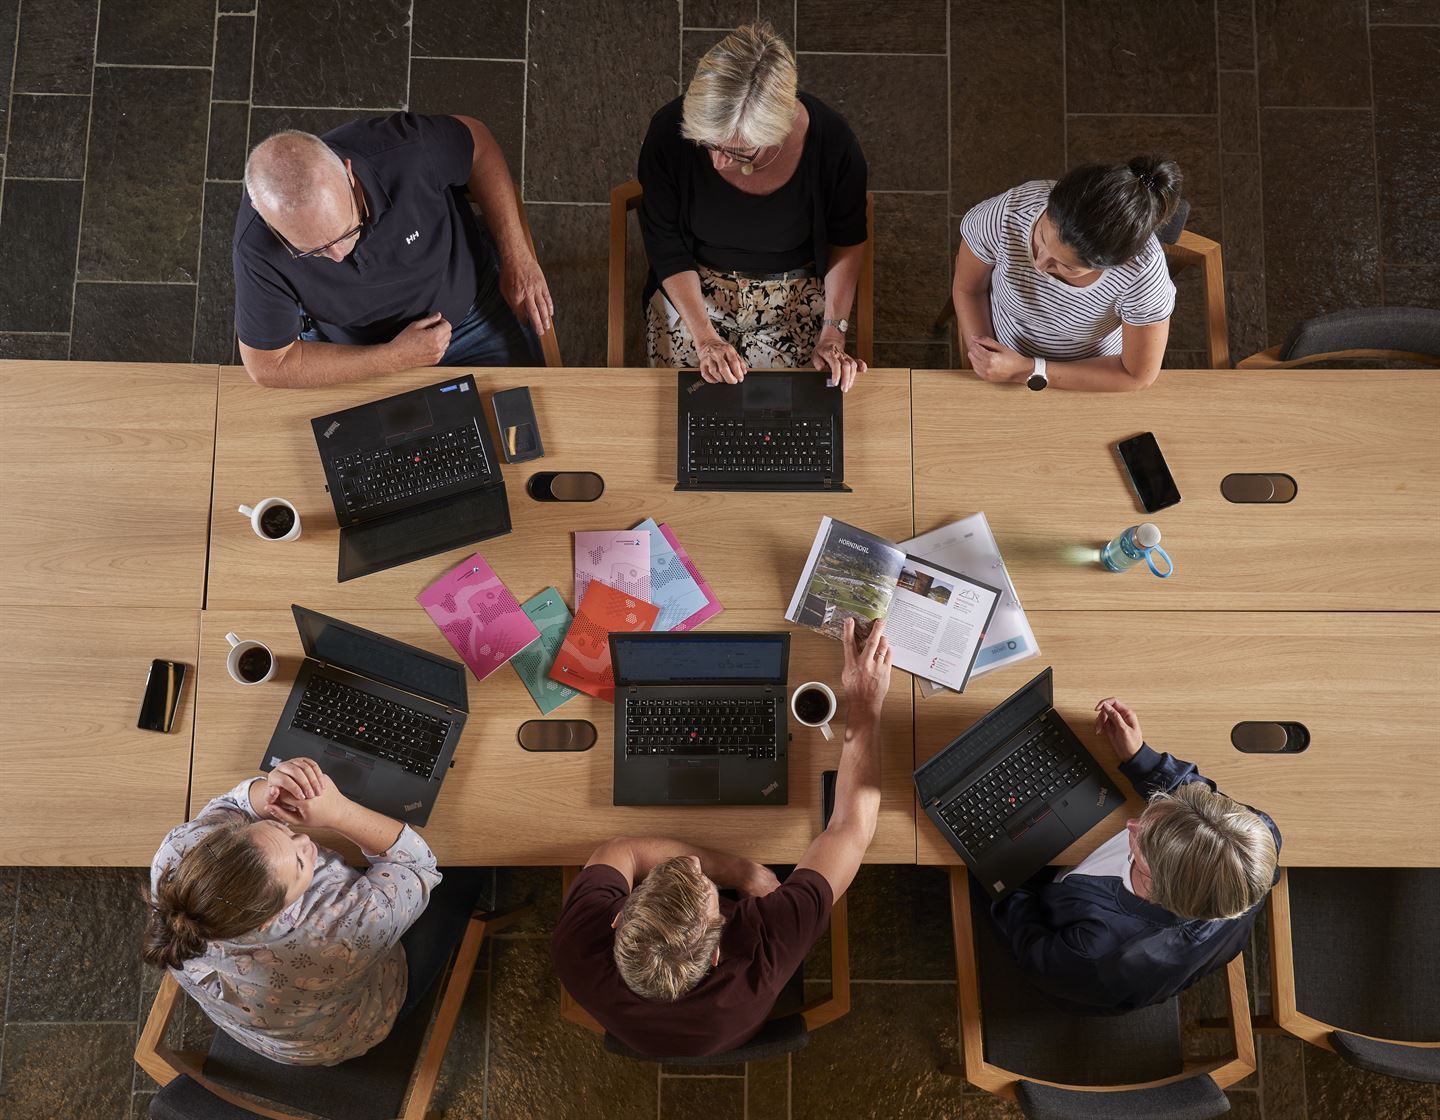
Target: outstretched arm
point(836, 853)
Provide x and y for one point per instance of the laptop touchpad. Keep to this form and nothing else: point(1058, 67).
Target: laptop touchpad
point(694, 781)
point(766, 391)
point(403, 416)
point(349, 775)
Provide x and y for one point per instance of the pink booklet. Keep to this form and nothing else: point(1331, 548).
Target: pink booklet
point(712, 605)
point(478, 616)
point(619, 557)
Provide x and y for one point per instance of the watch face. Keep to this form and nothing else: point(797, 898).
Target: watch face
point(1037, 381)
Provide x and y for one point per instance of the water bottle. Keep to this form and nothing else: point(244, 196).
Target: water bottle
point(1137, 543)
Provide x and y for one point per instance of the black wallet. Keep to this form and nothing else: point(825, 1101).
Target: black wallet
point(515, 418)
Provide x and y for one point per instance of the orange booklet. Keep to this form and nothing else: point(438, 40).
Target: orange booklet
point(584, 658)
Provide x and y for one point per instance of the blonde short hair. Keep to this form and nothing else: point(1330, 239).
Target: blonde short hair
point(666, 940)
point(743, 89)
point(1209, 856)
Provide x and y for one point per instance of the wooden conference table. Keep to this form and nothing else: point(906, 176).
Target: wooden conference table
point(500, 803)
point(106, 481)
point(1312, 611)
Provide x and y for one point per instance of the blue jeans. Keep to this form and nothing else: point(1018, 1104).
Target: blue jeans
point(437, 932)
point(489, 335)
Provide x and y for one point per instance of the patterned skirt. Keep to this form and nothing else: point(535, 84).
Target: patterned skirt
point(771, 323)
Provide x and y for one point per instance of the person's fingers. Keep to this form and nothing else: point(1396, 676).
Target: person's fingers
point(985, 342)
point(317, 776)
point(852, 367)
point(282, 782)
point(860, 366)
point(737, 364)
point(885, 651)
point(872, 643)
point(429, 320)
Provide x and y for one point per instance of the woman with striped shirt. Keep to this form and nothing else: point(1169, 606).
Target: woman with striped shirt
point(1064, 283)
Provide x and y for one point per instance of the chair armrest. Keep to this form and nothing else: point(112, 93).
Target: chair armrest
point(151, 1053)
point(828, 1008)
point(865, 289)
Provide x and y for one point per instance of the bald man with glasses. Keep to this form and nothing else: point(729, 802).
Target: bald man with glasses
point(356, 254)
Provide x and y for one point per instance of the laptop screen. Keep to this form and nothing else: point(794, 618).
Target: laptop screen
point(714, 658)
point(382, 659)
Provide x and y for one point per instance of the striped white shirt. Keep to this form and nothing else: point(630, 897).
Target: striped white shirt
point(1039, 315)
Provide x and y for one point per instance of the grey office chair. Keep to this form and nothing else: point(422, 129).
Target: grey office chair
point(1391, 334)
point(1354, 966)
point(1059, 1066)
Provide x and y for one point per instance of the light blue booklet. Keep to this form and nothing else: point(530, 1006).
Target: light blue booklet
point(672, 588)
point(552, 618)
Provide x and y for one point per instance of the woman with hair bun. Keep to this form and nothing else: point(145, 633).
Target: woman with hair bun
point(293, 953)
point(1064, 285)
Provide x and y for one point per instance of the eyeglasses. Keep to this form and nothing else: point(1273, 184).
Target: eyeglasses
point(307, 254)
point(731, 153)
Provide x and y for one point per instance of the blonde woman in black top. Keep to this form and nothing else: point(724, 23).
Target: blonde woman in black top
point(753, 217)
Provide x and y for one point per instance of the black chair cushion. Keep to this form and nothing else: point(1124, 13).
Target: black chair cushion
point(1170, 232)
point(370, 1087)
point(776, 1037)
point(1364, 943)
point(1416, 329)
point(1195, 1098)
point(1027, 1033)
point(185, 1099)
point(1412, 1063)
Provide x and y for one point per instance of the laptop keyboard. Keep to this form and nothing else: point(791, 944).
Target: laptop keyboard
point(744, 728)
point(418, 467)
point(1009, 797)
point(405, 736)
point(787, 445)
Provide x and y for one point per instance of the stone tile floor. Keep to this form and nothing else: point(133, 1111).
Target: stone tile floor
point(75, 992)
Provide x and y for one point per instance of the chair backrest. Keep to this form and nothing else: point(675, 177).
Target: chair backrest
point(776, 1037)
point(1393, 1059)
point(1412, 330)
point(1192, 1098)
point(627, 196)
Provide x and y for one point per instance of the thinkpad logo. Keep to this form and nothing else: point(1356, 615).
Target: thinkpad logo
point(412, 238)
point(332, 429)
point(771, 788)
point(1101, 799)
point(412, 806)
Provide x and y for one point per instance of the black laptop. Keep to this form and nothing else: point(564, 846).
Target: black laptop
point(1015, 790)
point(700, 719)
point(779, 430)
point(380, 717)
point(411, 475)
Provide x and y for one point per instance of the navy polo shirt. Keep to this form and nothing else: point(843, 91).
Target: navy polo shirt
point(420, 251)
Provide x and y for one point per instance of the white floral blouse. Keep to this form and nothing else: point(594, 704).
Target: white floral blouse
point(324, 981)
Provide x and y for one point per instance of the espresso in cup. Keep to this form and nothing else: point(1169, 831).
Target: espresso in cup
point(811, 705)
point(253, 664)
point(277, 521)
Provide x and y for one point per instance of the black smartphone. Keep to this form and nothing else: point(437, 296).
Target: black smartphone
point(1149, 473)
point(162, 695)
point(519, 431)
point(827, 796)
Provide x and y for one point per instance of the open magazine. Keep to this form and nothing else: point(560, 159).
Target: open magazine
point(969, 546)
point(935, 619)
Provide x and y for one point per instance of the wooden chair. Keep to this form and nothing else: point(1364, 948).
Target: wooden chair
point(1183, 249)
point(1019, 1046)
point(782, 1034)
point(395, 1079)
point(626, 197)
point(1391, 334)
point(1363, 942)
point(549, 342)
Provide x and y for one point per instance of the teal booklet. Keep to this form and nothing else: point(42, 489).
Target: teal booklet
point(552, 618)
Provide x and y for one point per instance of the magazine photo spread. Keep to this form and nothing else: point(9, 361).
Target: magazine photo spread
point(935, 619)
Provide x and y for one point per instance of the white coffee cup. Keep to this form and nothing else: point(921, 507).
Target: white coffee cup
point(824, 722)
point(256, 512)
point(238, 648)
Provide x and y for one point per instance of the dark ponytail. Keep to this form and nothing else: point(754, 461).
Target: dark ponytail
point(221, 888)
point(1106, 213)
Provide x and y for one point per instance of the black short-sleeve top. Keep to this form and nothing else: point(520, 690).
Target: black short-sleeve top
point(690, 215)
point(419, 252)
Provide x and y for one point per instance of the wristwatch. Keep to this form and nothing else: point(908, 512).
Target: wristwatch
point(1039, 379)
point(842, 324)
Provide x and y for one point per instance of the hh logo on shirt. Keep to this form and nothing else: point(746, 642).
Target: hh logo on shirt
point(412, 238)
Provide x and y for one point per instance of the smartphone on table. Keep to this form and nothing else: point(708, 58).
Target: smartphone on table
point(162, 695)
point(1149, 473)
